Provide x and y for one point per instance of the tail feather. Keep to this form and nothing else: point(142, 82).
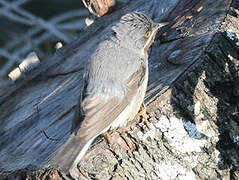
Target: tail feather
point(69, 155)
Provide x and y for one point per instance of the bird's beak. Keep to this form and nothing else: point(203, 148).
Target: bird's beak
point(159, 25)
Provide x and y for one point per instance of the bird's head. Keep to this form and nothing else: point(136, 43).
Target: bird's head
point(136, 31)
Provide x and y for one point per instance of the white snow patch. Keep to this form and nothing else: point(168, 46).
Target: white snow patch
point(58, 45)
point(201, 116)
point(216, 139)
point(163, 124)
point(204, 127)
point(197, 108)
point(177, 136)
point(140, 135)
point(168, 171)
point(193, 159)
point(236, 139)
point(188, 176)
point(230, 57)
point(151, 133)
point(231, 35)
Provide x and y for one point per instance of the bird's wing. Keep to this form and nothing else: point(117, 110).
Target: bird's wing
point(99, 112)
point(98, 115)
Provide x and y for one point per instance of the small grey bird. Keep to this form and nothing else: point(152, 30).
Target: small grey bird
point(114, 86)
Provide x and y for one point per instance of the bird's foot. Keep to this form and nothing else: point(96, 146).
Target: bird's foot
point(120, 138)
point(107, 137)
point(126, 142)
point(142, 113)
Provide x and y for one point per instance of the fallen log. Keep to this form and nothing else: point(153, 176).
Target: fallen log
point(192, 102)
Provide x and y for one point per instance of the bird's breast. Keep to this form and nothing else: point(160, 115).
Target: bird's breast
point(133, 107)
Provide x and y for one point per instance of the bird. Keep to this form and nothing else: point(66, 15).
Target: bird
point(113, 88)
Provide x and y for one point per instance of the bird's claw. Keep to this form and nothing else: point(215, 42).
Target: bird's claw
point(107, 137)
point(142, 113)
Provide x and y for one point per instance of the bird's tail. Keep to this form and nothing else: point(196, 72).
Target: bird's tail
point(69, 155)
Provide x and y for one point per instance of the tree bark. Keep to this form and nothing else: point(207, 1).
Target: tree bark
point(192, 102)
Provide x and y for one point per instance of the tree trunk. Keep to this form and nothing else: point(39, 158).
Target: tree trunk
point(192, 102)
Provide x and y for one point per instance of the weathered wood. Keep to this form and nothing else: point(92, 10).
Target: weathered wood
point(44, 102)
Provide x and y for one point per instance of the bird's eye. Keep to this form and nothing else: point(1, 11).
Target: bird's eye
point(147, 34)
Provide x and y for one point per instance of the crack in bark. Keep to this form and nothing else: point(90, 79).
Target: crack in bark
point(65, 73)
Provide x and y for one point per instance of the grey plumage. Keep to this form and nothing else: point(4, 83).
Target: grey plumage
point(114, 86)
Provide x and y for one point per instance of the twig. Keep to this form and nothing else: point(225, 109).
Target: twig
point(34, 39)
point(37, 21)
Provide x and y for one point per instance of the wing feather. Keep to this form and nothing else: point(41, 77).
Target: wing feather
point(95, 113)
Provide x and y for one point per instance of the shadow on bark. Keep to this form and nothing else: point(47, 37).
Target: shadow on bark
point(215, 84)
